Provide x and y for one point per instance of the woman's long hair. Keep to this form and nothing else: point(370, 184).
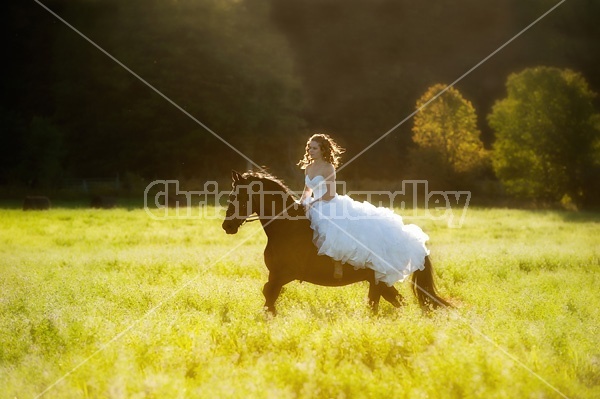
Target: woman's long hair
point(331, 150)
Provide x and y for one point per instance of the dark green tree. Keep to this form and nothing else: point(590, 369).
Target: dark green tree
point(223, 62)
point(41, 160)
point(546, 132)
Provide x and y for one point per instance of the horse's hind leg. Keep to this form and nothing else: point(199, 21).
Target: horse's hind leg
point(374, 296)
point(392, 295)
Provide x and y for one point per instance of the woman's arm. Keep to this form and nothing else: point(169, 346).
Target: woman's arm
point(305, 194)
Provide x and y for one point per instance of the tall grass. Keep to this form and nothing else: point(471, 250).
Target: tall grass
point(126, 306)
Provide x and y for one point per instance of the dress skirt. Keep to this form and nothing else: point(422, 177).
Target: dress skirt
point(365, 236)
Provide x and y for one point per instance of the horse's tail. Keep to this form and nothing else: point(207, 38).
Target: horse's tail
point(424, 289)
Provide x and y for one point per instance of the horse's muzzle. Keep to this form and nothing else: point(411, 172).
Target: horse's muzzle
point(230, 226)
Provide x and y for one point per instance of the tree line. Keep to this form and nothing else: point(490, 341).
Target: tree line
point(547, 145)
point(263, 76)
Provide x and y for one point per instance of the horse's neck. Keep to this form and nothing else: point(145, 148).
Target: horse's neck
point(274, 212)
point(284, 228)
point(272, 226)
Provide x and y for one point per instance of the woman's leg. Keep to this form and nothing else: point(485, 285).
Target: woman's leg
point(338, 271)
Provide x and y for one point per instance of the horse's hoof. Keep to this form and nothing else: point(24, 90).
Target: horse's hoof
point(374, 307)
point(270, 311)
point(399, 302)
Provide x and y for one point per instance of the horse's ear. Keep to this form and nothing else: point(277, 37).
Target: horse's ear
point(236, 176)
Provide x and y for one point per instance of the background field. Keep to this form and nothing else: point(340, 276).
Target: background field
point(140, 308)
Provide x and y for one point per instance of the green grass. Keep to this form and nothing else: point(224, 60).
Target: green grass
point(133, 307)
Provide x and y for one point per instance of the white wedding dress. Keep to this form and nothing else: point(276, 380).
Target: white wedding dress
point(362, 235)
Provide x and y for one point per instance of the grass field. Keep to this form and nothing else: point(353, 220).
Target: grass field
point(123, 306)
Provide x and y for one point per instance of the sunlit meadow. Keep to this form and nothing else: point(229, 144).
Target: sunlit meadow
point(123, 306)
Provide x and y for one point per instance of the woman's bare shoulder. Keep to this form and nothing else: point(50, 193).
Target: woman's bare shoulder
point(328, 171)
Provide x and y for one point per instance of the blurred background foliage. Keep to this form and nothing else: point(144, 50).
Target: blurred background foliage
point(546, 131)
point(264, 75)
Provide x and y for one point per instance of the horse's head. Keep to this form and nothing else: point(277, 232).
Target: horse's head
point(240, 204)
point(261, 194)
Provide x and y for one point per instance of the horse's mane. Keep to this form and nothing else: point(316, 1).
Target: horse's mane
point(268, 178)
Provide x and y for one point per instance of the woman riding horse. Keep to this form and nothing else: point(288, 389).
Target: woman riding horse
point(290, 253)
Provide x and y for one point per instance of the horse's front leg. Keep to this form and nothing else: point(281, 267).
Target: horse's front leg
point(271, 291)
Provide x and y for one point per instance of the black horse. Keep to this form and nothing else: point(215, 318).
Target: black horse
point(290, 253)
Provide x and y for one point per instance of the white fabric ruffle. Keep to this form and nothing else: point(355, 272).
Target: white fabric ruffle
point(362, 235)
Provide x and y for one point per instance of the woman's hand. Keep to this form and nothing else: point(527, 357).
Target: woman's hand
point(306, 203)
